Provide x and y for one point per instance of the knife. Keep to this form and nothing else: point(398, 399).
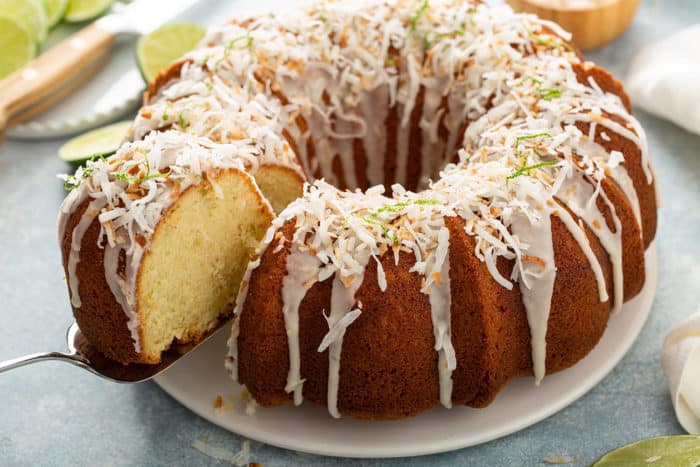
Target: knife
point(61, 69)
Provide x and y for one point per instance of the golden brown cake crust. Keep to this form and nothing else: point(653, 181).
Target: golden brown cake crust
point(100, 318)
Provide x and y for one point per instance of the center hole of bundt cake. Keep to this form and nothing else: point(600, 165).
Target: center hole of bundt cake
point(390, 148)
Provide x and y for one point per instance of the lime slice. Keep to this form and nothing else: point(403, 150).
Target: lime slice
point(84, 10)
point(54, 11)
point(101, 142)
point(664, 451)
point(30, 13)
point(157, 50)
point(17, 45)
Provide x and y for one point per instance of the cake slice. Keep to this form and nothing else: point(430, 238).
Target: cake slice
point(156, 238)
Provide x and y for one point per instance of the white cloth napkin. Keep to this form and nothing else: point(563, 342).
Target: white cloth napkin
point(681, 361)
point(664, 79)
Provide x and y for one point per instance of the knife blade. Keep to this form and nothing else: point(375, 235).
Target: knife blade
point(142, 16)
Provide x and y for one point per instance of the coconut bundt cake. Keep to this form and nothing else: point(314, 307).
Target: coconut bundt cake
point(479, 201)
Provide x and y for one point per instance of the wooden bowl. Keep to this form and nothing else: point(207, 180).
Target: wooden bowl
point(593, 23)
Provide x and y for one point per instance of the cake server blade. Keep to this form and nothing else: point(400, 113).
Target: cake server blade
point(83, 355)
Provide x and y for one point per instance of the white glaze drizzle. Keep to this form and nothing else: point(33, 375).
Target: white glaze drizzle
point(440, 306)
point(302, 270)
point(340, 317)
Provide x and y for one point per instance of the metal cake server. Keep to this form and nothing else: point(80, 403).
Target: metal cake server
point(82, 354)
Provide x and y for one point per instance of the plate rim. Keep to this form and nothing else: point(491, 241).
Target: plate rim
point(452, 443)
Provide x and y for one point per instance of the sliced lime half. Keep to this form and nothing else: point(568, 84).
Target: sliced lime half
point(663, 451)
point(101, 142)
point(85, 10)
point(157, 50)
point(17, 45)
point(55, 10)
point(30, 13)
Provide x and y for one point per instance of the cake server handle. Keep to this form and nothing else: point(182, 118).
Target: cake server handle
point(74, 359)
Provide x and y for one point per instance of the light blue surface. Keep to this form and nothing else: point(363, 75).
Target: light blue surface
point(52, 414)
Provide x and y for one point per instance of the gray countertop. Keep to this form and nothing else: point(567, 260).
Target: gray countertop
point(53, 414)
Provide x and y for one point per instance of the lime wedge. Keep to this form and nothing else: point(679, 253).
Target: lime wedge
point(17, 45)
point(30, 13)
point(101, 142)
point(84, 10)
point(664, 451)
point(54, 11)
point(157, 50)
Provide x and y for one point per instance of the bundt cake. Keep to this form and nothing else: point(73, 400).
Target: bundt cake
point(478, 202)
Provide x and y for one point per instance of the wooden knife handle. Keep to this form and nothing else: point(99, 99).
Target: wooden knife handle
point(46, 76)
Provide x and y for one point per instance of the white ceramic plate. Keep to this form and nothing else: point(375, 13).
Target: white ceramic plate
point(197, 379)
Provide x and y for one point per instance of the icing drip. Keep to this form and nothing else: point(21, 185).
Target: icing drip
point(580, 236)
point(341, 316)
point(92, 210)
point(537, 273)
point(581, 197)
point(440, 305)
point(302, 273)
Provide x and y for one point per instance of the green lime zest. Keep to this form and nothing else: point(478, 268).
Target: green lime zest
point(232, 43)
point(453, 33)
point(125, 177)
point(181, 119)
point(549, 93)
point(398, 207)
point(418, 13)
point(519, 139)
point(548, 42)
point(373, 217)
point(73, 181)
point(545, 93)
point(432, 37)
point(526, 169)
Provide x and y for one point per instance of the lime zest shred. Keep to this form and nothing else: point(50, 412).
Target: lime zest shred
point(72, 182)
point(454, 32)
point(398, 207)
point(526, 169)
point(373, 217)
point(432, 37)
point(548, 42)
point(125, 177)
point(545, 93)
point(229, 47)
point(181, 119)
point(519, 139)
point(418, 13)
point(549, 93)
